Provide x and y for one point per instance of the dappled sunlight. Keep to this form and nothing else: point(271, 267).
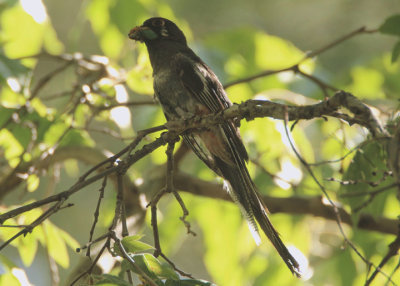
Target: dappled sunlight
point(289, 174)
point(36, 9)
point(121, 116)
point(306, 270)
point(107, 261)
point(14, 84)
point(21, 276)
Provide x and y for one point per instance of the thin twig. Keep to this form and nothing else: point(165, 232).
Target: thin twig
point(55, 208)
point(171, 189)
point(104, 247)
point(392, 251)
point(336, 210)
point(361, 30)
point(295, 68)
point(96, 213)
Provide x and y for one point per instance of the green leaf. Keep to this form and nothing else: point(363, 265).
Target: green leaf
point(14, 22)
point(5, 114)
point(391, 26)
point(12, 148)
point(367, 83)
point(396, 51)
point(33, 182)
point(122, 13)
point(27, 247)
point(56, 244)
point(221, 222)
point(366, 170)
point(11, 68)
point(275, 53)
point(9, 279)
point(77, 138)
point(72, 138)
point(132, 244)
point(140, 81)
point(152, 266)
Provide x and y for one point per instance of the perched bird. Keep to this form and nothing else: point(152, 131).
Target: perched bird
point(186, 87)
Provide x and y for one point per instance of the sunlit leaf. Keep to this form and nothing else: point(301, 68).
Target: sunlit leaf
point(54, 132)
point(140, 81)
point(367, 83)
point(220, 222)
point(12, 148)
point(27, 247)
point(152, 266)
point(14, 31)
point(272, 52)
point(133, 244)
point(56, 244)
point(240, 93)
point(98, 13)
point(71, 167)
point(9, 279)
point(112, 41)
point(32, 183)
point(50, 40)
point(39, 107)
point(77, 138)
point(9, 98)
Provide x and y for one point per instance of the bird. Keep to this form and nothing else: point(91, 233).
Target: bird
point(186, 88)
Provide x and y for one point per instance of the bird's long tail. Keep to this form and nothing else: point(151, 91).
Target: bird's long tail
point(243, 192)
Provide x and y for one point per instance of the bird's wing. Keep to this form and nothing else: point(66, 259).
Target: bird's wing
point(223, 141)
point(205, 87)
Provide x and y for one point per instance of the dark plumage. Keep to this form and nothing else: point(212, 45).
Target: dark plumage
point(187, 87)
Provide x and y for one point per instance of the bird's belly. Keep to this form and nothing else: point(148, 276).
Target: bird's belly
point(175, 100)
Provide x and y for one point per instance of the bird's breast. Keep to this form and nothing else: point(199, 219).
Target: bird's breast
point(176, 101)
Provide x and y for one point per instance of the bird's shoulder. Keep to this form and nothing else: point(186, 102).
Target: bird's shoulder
point(201, 81)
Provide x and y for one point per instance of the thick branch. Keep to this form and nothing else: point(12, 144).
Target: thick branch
point(252, 109)
point(314, 206)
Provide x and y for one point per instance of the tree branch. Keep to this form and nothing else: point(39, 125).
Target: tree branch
point(314, 206)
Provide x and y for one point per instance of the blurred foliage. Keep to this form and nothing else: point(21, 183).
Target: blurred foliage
point(92, 87)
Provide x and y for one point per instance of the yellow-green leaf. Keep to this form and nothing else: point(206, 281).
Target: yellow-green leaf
point(32, 183)
point(56, 244)
point(132, 244)
point(12, 148)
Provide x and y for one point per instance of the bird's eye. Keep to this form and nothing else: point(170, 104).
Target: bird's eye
point(158, 23)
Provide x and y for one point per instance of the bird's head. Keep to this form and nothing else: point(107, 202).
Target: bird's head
point(157, 29)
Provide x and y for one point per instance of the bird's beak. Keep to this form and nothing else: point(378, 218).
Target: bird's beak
point(142, 33)
point(137, 33)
